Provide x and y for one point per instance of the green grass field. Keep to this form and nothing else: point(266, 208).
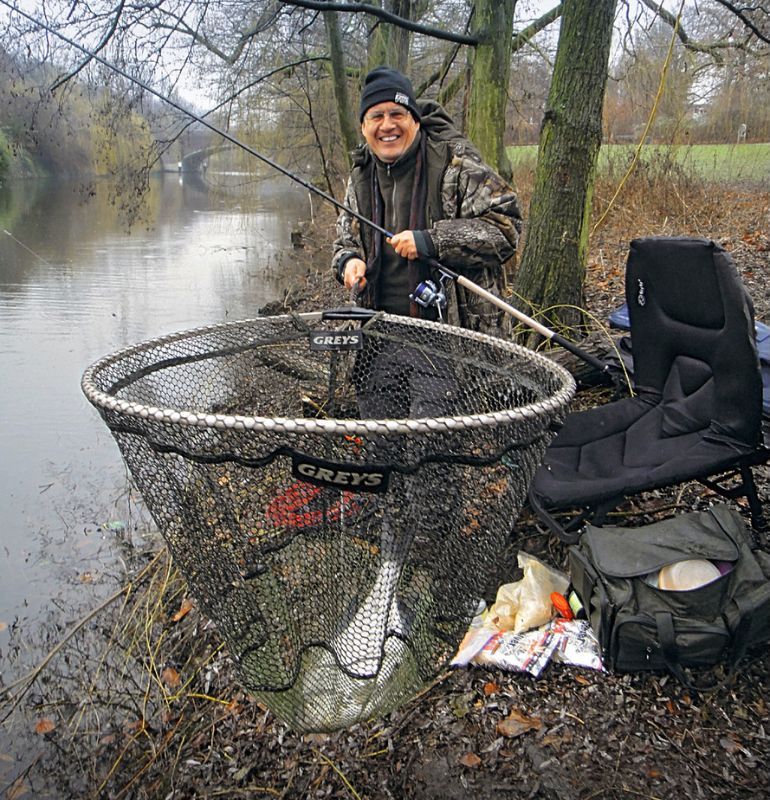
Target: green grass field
point(713, 162)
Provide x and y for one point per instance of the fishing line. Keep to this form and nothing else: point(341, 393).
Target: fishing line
point(458, 278)
point(28, 249)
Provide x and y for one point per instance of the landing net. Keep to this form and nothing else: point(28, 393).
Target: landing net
point(336, 492)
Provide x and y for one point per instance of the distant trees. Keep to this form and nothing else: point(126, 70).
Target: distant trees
point(34, 122)
point(734, 90)
point(718, 77)
point(77, 131)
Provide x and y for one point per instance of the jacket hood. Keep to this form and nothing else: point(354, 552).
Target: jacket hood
point(436, 122)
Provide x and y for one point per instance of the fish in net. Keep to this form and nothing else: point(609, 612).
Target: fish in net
point(336, 490)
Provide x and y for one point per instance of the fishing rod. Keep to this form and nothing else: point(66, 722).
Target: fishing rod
point(424, 291)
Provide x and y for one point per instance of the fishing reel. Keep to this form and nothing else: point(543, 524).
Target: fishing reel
point(429, 294)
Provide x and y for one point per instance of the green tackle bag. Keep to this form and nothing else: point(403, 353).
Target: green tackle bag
point(640, 626)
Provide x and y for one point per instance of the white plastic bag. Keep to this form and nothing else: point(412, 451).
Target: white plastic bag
point(526, 603)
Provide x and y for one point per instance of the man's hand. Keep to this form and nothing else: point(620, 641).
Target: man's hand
point(354, 271)
point(403, 243)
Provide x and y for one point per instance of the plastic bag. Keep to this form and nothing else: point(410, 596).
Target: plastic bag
point(527, 603)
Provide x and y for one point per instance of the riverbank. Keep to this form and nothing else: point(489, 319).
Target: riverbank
point(142, 702)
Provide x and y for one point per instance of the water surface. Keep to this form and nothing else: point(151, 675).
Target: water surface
point(76, 284)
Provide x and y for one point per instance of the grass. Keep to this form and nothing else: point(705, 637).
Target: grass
point(716, 162)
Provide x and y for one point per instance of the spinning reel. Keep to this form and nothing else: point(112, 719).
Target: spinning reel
point(428, 294)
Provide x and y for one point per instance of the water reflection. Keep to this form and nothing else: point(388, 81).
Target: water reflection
point(75, 284)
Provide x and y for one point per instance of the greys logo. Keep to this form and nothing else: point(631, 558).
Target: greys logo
point(353, 477)
point(330, 340)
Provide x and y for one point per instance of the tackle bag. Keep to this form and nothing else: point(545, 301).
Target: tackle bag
point(616, 574)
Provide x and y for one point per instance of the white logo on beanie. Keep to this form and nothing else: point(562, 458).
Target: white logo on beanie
point(401, 98)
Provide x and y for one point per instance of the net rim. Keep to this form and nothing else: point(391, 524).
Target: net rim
point(186, 417)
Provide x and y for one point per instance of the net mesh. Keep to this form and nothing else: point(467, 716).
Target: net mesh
point(335, 492)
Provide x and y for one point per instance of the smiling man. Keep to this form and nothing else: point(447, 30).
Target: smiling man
point(417, 176)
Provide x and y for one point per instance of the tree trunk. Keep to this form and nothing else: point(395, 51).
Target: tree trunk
point(389, 44)
point(553, 264)
point(490, 70)
point(339, 79)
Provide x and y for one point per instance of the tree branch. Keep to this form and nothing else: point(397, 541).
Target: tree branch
point(740, 13)
point(234, 95)
point(711, 48)
point(522, 37)
point(59, 82)
point(365, 8)
point(179, 25)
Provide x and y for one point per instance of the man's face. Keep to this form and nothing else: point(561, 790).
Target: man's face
point(389, 130)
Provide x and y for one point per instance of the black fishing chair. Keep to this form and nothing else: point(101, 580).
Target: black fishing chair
point(696, 410)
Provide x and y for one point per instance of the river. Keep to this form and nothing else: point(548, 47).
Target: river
point(76, 284)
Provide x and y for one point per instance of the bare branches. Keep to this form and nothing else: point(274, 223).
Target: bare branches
point(177, 24)
point(711, 48)
point(743, 15)
point(375, 11)
point(525, 36)
point(99, 47)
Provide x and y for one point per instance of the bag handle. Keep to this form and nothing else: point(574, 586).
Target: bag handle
point(664, 621)
point(739, 636)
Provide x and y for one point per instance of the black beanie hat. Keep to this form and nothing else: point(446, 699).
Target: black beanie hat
point(383, 84)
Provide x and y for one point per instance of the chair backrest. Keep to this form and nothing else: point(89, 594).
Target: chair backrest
point(692, 327)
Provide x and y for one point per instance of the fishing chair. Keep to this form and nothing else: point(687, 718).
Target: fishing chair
point(695, 413)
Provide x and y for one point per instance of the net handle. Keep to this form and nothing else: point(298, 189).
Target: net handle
point(353, 311)
point(349, 313)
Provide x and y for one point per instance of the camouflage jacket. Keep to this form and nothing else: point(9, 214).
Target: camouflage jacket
point(472, 216)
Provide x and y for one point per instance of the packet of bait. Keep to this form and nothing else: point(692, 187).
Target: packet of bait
point(519, 652)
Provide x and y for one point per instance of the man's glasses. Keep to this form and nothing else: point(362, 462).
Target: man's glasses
point(396, 115)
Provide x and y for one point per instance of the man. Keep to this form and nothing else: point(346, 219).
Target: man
point(419, 178)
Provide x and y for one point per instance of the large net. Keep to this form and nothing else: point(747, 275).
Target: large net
point(336, 492)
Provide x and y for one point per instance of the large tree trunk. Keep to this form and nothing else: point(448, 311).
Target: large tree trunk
point(490, 71)
point(339, 78)
point(553, 264)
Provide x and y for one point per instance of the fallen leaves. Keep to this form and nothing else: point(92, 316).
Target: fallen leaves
point(470, 760)
point(517, 723)
point(184, 609)
point(731, 744)
point(44, 725)
point(171, 677)
point(461, 704)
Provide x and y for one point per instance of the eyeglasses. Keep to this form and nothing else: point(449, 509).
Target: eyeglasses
point(396, 115)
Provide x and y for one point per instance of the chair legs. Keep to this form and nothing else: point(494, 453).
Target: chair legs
point(571, 531)
point(746, 488)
